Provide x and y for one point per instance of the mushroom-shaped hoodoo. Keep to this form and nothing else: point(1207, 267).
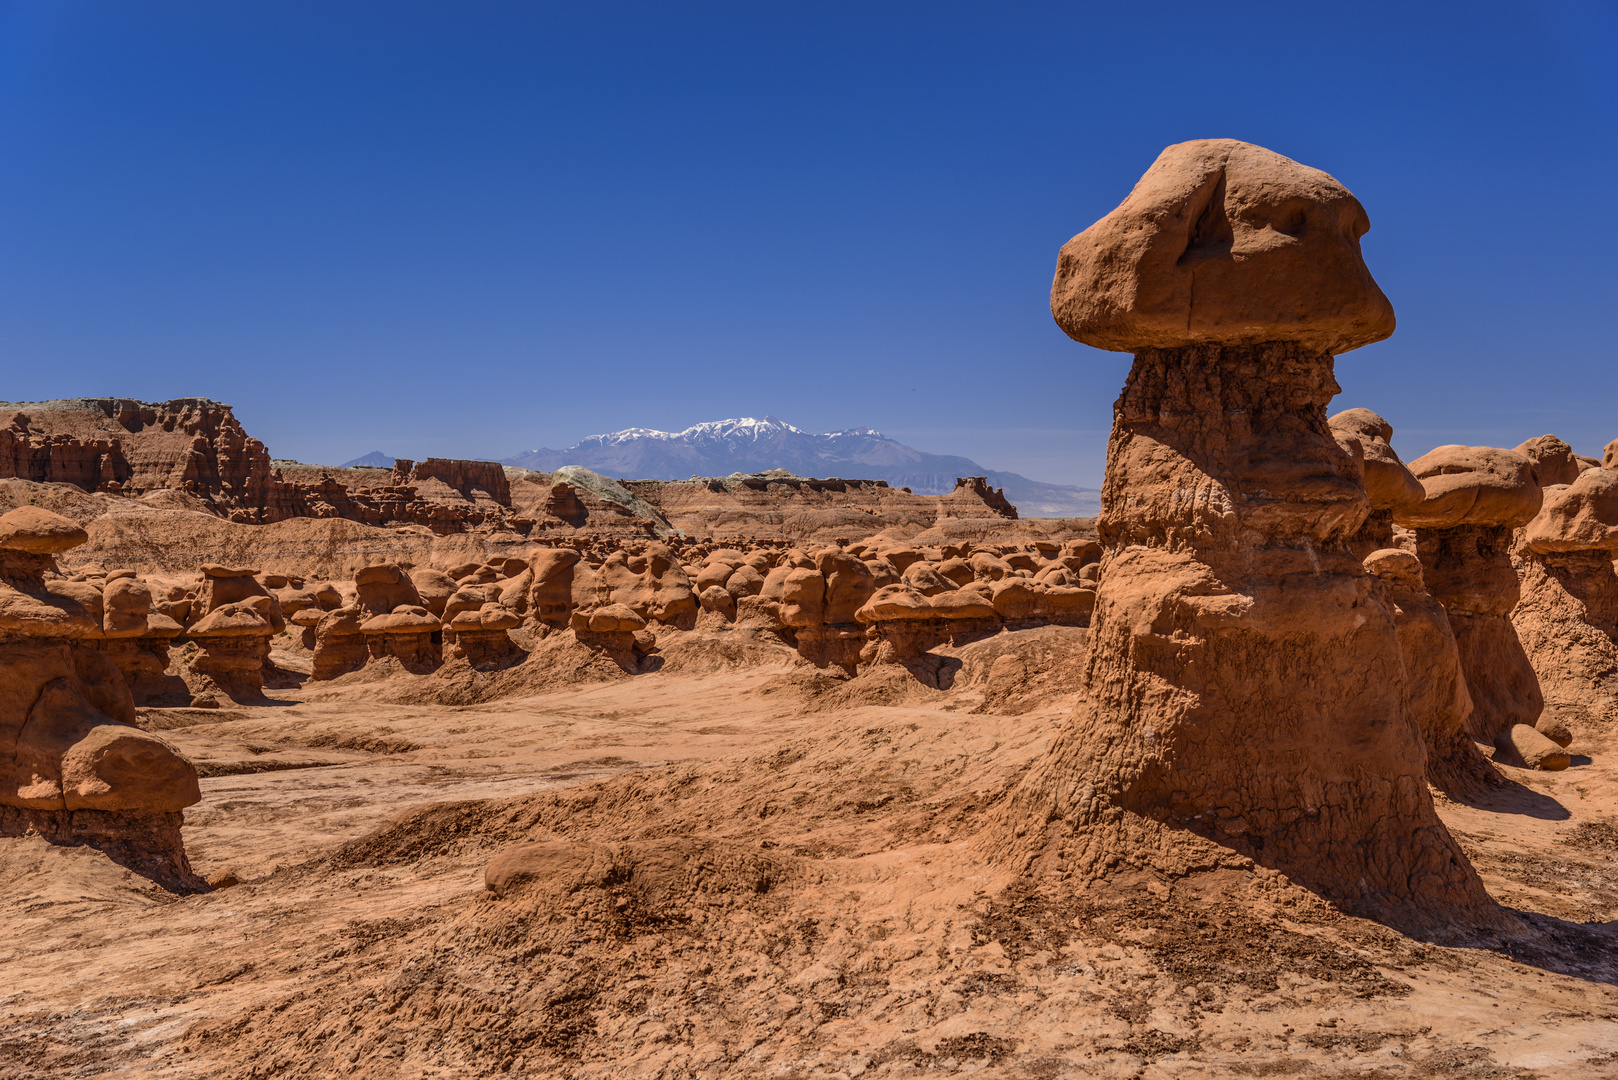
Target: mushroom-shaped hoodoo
point(1567, 616)
point(223, 585)
point(406, 633)
point(483, 636)
point(904, 622)
point(136, 639)
point(1475, 497)
point(1243, 695)
point(616, 629)
point(80, 771)
point(233, 643)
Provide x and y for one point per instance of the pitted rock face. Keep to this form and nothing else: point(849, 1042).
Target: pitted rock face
point(1227, 447)
point(1223, 242)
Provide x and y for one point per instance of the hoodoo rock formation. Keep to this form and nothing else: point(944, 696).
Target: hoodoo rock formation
point(1567, 617)
point(1437, 699)
point(1475, 497)
point(1245, 684)
point(1389, 485)
point(76, 769)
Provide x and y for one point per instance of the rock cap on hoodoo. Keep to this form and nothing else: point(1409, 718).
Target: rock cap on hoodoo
point(222, 572)
point(1388, 483)
point(241, 619)
point(1472, 485)
point(405, 619)
point(490, 616)
point(1581, 516)
point(1554, 460)
point(1223, 242)
point(39, 532)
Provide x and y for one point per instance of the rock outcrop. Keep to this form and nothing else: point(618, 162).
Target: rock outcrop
point(1567, 617)
point(75, 767)
point(197, 447)
point(1245, 688)
point(1436, 694)
point(1475, 497)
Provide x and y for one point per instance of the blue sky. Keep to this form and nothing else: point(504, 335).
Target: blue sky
point(469, 229)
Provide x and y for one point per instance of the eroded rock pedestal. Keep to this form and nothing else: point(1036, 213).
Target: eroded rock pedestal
point(1475, 497)
point(1244, 692)
point(1436, 693)
point(74, 768)
point(1567, 617)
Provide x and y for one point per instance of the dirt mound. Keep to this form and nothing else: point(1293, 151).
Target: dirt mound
point(1020, 672)
point(819, 903)
point(557, 661)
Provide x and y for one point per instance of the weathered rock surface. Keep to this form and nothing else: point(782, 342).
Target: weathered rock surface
point(1567, 614)
point(68, 742)
point(1227, 243)
point(1475, 497)
point(1245, 687)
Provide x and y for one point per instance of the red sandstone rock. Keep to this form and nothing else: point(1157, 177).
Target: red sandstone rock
point(68, 744)
point(1227, 243)
point(1244, 687)
point(39, 532)
point(1472, 485)
point(1553, 460)
point(406, 634)
point(339, 643)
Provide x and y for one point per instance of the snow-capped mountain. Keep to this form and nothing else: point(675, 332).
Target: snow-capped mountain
point(751, 444)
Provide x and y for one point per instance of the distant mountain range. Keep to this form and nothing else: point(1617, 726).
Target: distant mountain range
point(752, 445)
point(376, 459)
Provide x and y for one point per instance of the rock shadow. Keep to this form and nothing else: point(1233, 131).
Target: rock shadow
point(145, 844)
point(1507, 796)
point(1587, 951)
point(933, 671)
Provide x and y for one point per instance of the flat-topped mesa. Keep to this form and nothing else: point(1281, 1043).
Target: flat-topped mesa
point(1567, 616)
point(1244, 688)
point(73, 765)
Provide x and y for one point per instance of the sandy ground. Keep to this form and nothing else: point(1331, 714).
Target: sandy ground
point(820, 910)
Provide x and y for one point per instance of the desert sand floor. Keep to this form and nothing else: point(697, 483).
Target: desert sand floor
point(826, 914)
